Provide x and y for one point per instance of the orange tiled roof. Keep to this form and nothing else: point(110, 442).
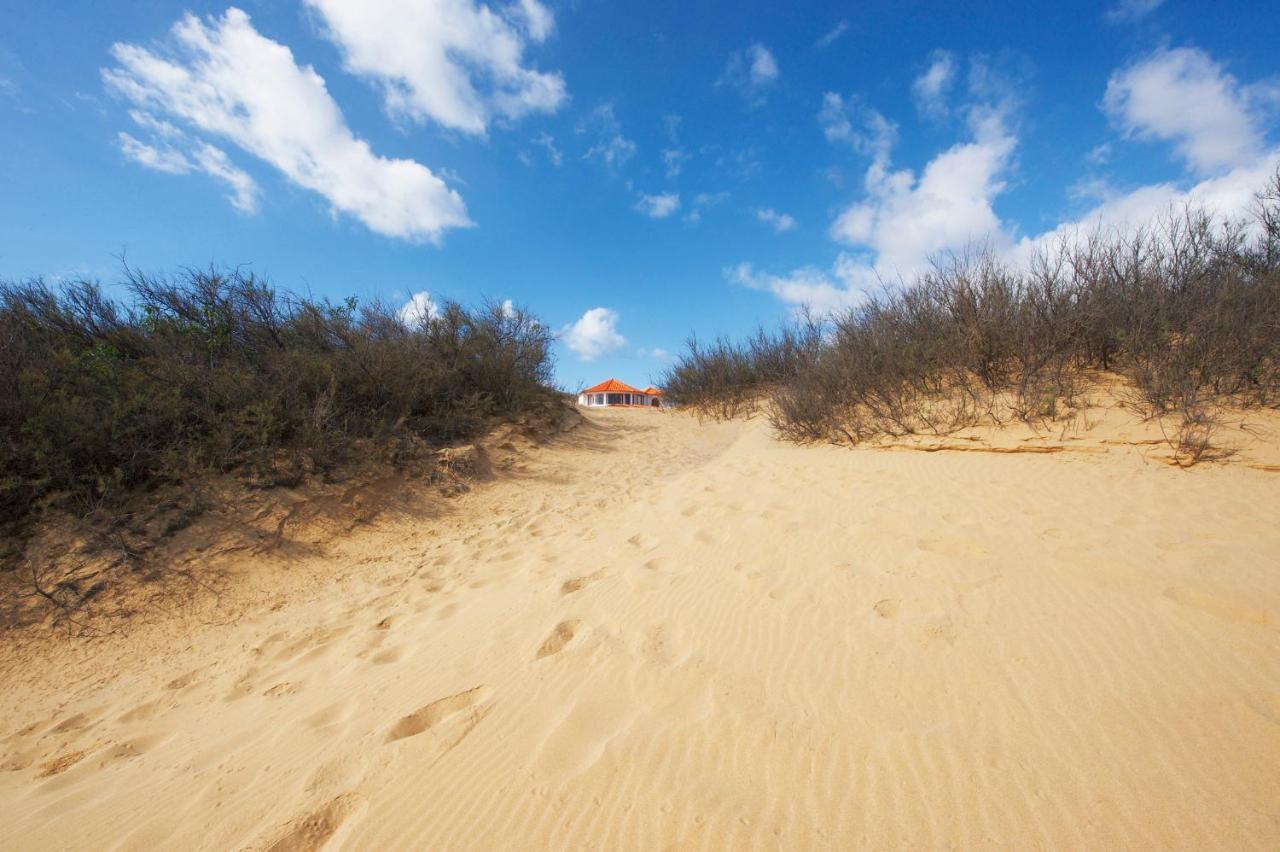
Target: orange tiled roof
point(612, 386)
point(652, 391)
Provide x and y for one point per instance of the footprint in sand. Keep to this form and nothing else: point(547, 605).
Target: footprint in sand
point(390, 655)
point(427, 717)
point(145, 711)
point(182, 682)
point(578, 583)
point(334, 714)
point(78, 722)
point(323, 828)
point(130, 749)
point(61, 764)
point(562, 635)
point(1226, 608)
point(643, 541)
point(280, 690)
point(887, 608)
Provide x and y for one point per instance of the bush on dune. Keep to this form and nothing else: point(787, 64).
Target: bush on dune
point(213, 372)
point(1187, 312)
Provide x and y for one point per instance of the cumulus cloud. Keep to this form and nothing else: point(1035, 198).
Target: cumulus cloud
point(905, 218)
point(658, 206)
point(779, 221)
point(610, 148)
point(221, 77)
point(419, 310)
point(1126, 11)
point(456, 62)
point(1183, 97)
point(594, 334)
point(931, 88)
point(752, 73)
point(1228, 196)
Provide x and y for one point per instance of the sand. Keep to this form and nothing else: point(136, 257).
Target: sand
point(656, 633)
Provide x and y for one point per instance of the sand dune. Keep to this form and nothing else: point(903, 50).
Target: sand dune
point(657, 633)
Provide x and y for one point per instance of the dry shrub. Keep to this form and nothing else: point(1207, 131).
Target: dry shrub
point(1188, 312)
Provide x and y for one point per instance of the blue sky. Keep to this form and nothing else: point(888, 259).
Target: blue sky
point(633, 173)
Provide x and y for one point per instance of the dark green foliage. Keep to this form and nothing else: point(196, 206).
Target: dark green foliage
point(214, 372)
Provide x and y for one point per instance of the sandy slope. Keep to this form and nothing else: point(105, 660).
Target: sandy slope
point(664, 634)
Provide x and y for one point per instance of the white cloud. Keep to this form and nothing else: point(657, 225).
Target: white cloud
point(674, 159)
point(752, 73)
point(547, 142)
point(829, 37)
point(1125, 11)
point(780, 221)
point(419, 310)
point(214, 161)
point(222, 77)
point(1182, 96)
point(704, 201)
point(1099, 154)
point(158, 158)
point(537, 19)
point(658, 206)
point(905, 218)
point(594, 334)
point(611, 147)
point(175, 152)
point(931, 88)
point(872, 134)
point(166, 157)
point(764, 68)
point(808, 287)
point(456, 62)
point(508, 308)
point(1228, 196)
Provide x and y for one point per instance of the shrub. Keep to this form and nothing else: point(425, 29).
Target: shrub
point(1188, 312)
point(214, 372)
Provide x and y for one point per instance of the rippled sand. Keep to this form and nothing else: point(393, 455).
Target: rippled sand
point(656, 633)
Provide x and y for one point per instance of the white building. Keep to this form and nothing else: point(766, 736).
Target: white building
point(615, 394)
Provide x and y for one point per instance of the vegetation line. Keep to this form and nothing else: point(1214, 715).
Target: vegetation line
point(1186, 312)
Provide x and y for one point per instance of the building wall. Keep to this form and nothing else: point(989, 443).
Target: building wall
point(599, 400)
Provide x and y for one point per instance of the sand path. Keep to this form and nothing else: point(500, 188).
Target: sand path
point(663, 634)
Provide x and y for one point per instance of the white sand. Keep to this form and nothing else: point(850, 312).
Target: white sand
point(660, 634)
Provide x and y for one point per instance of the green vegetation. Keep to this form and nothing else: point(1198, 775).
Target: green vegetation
point(211, 372)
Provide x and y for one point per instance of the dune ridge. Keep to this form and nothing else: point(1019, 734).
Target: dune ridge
point(656, 632)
